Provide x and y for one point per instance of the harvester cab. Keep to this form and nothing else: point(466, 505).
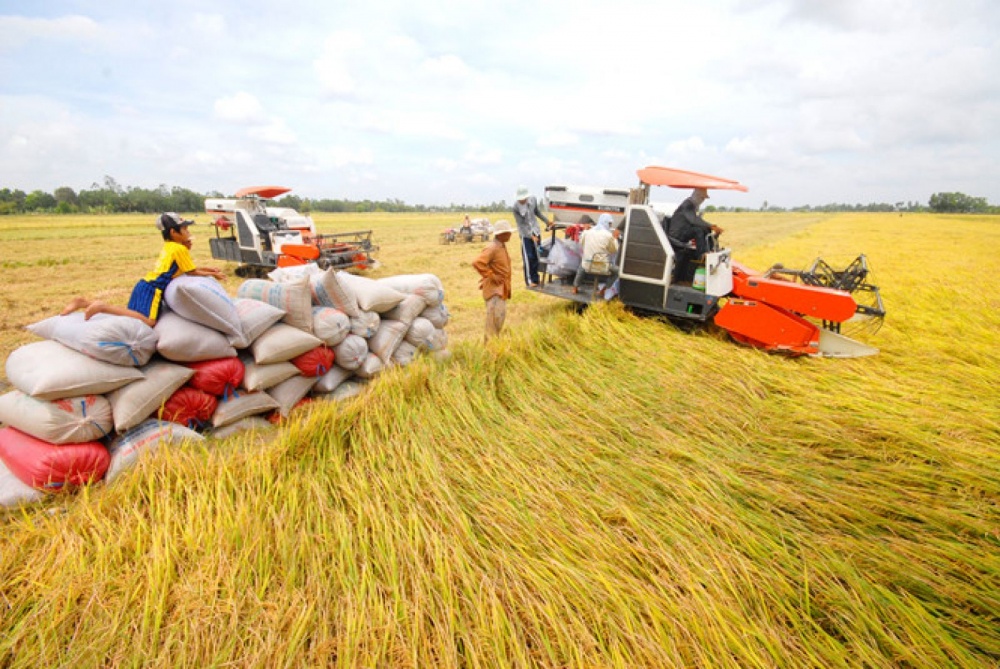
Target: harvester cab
point(261, 238)
point(797, 312)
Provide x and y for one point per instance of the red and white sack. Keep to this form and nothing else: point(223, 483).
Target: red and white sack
point(314, 363)
point(365, 324)
point(48, 370)
point(14, 491)
point(288, 393)
point(66, 421)
point(370, 367)
point(241, 406)
point(351, 352)
point(427, 286)
point(292, 297)
point(330, 325)
point(370, 294)
point(282, 342)
point(259, 377)
point(126, 449)
point(134, 403)
point(189, 407)
point(438, 315)
point(255, 318)
point(50, 467)
point(120, 340)
point(217, 377)
point(387, 339)
point(407, 310)
point(181, 340)
point(329, 291)
point(421, 334)
point(204, 300)
point(329, 381)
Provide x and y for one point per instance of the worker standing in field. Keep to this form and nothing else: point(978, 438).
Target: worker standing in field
point(493, 265)
point(175, 259)
point(525, 212)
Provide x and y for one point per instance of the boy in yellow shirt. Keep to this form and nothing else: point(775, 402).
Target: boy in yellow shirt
point(175, 259)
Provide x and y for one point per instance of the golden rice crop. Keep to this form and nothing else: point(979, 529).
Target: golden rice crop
point(594, 489)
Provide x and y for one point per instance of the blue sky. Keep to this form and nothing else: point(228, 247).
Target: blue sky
point(804, 101)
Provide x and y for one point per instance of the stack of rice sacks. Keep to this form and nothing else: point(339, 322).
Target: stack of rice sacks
point(93, 395)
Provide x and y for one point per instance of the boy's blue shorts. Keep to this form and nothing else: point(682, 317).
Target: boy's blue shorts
point(146, 299)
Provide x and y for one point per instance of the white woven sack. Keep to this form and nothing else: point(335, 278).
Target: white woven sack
point(289, 392)
point(439, 340)
point(370, 294)
point(259, 377)
point(365, 324)
point(203, 300)
point(345, 390)
point(248, 424)
point(405, 353)
point(351, 352)
point(241, 406)
point(182, 340)
point(138, 401)
point(407, 310)
point(146, 437)
point(14, 491)
point(370, 367)
point(120, 340)
point(420, 334)
point(48, 370)
point(427, 286)
point(330, 325)
point(293, 297)
point(72, 420)
point(293, 273)
point(384, 342)
point(329, 381)
point(329, 291)
point(255, 318)
point(437, 315)
point(282, 342)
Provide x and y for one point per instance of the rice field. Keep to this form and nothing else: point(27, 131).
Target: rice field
point(589, 490)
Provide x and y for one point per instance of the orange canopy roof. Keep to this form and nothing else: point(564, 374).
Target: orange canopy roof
point(668, 176)
point(265, 192)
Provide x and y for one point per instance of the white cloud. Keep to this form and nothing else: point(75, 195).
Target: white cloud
point(240, 107)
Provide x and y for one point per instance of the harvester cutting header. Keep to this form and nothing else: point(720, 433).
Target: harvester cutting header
point(261, 237)
point(797, 312)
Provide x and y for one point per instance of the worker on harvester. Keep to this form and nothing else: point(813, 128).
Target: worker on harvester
point(689, 233)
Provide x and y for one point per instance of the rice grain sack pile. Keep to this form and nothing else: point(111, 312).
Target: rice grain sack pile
point(93, 394)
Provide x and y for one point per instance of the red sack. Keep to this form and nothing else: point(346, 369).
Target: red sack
point(49, 467)
point(217, 377)
point(189, 407)
point(316, 362)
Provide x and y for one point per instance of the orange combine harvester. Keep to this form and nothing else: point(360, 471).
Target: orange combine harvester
point(796, 312)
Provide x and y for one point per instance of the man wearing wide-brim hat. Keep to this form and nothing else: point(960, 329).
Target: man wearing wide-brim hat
point(526, 212)
point(493, 265)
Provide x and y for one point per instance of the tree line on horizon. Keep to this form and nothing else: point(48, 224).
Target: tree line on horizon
point(112, 198)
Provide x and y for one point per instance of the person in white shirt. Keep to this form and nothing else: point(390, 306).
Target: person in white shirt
point(599, 247)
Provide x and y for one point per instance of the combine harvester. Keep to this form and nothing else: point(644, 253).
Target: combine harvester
point(260, 238)
point(795, 312)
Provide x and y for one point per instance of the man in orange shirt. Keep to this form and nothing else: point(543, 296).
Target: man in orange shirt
point(493, 265)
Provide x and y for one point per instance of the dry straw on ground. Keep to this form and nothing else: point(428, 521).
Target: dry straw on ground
point(592, 489)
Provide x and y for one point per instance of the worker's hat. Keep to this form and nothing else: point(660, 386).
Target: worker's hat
point(171, 221)
point(501, 227)
point(522, 193)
